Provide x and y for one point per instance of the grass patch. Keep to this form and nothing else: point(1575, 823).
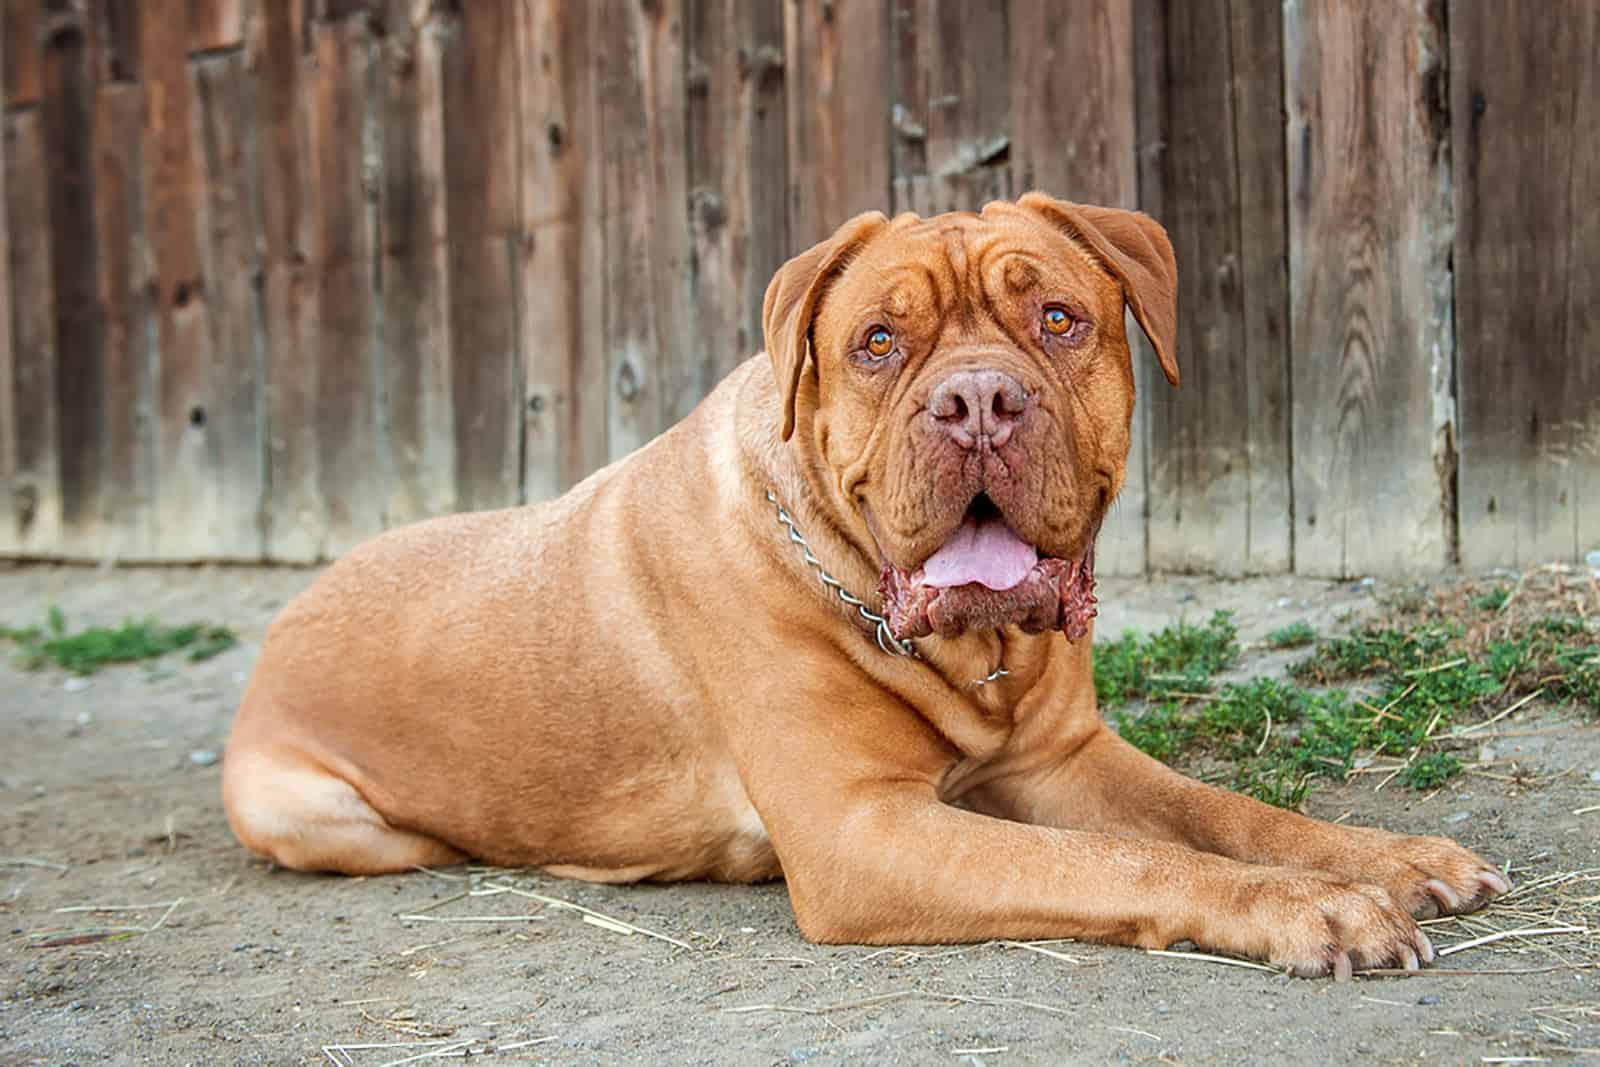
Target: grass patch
point(1179, 659)
point(90, 649)
point(1296, 635)
point(1436, 661)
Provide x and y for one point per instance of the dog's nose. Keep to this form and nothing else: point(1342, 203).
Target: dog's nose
point(973, 404)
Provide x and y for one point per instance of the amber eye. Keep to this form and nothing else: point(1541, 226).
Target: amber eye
point(1056, 320)
point(880, 342)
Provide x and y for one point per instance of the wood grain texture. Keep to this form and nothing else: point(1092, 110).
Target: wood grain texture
point(561, 310)
point(67, 108)
point(8, 366)
point(1219, 460)
point(229, 221)
point(951, 113)
point(737, 155)
point(19, 38)
point(173, 184)
point(1524, 116)
point(413, 271)
point(217, 24)
point(643, 181)
point(839, 99)
point(289, 208)
point(481, 202)
point(1370, 312)
point(127, 297)
point(351, 461)
point(1073, 128)
point(33, 484)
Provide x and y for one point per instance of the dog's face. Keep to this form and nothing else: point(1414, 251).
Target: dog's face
point(970, 390)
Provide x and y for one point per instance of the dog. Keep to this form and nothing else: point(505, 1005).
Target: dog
point(834, 626)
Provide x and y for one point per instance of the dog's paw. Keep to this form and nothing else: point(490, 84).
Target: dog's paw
point(1432, 876)
point(1318, 926)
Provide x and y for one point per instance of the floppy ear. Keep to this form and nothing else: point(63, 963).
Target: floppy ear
point(792, 300)
point(1134, 247)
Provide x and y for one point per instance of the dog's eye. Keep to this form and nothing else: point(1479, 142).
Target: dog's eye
point(1056, 320)
point(880, 342)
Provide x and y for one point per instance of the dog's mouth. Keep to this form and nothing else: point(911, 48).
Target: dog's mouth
point(984, 577)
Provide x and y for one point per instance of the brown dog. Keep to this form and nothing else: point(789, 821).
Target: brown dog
point(666, 673)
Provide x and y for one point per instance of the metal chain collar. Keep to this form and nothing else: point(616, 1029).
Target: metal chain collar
point(886, 639)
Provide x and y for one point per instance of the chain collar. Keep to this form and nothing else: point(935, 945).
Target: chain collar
point(886, 639)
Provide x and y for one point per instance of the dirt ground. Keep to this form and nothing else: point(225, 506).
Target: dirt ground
point(109, 794)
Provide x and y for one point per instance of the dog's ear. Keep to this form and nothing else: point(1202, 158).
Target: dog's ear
point(1134, 247)
point(792, 300)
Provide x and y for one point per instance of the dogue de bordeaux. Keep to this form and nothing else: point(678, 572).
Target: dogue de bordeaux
point(834, 626)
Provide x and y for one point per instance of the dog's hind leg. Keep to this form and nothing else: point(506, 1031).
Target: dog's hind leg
point(300, 815)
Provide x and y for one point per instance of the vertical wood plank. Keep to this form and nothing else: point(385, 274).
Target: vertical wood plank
point(414, 270)
point(34, 481)
point(1218, 461)
point(561, 313)
point(1073, 125)
point(225, 140)
point(8, 368)
point(352, 470)
point(127, 286)
point(1526, 238)
point(19, 38)
point(737, 156)
point(216, 24)
point(638, 64)
point(953, 100)
point(289, 208)
point(839, 105)
point(67, 108)
point(173, 184)
point(481, 145)
point(1369, 268)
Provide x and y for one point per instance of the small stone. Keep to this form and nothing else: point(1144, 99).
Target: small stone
point(1485, 753)
point(1593, 559)
point(203, 757)
point(1458, 817)
point(1368, 583)
point(76, 684)
point(1285, 601)
point(1594, 775)
point(1429, 1001)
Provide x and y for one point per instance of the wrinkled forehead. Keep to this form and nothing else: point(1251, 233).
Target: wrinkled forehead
point(962, 257)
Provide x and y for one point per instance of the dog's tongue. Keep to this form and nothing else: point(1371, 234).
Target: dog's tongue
point(983, 551)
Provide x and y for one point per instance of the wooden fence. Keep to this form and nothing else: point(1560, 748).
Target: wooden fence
point(279, 273)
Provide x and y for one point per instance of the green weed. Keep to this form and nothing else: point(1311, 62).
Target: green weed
point(90, 649)
point(1295, 635)
point(1181, 658)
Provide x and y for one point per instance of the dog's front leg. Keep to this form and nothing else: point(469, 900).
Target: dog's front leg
point(872, 855)
point(1105, 784)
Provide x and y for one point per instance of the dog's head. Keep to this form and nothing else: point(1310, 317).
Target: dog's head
point(969, 391)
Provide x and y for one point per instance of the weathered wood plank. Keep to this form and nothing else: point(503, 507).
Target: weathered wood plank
point(8, 368)
point(1072, 135)
point(216, 24)
point(289, 209)
point(225, 138)
point(1525, 238)
point(1369, 251)
point(413, 273)
point(115, 35)
point(127, 287)
point(638, 66)
point(186, 505)
point(1219, 462)
point(34, 484)
point(955, 98)
point(19, 38)
point(481, 196)
point(67, 107)
point(839, 105)
point(352, 464)
point(737, 171)
point(560, 294)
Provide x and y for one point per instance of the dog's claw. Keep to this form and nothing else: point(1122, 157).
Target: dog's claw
point(1424, 947)
point(1494, 882)
point(1341, 967)
point(1444, 894)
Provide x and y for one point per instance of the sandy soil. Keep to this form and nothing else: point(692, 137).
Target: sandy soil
point(109, 794)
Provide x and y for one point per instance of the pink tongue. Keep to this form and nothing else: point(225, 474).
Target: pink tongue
point(985, 552)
